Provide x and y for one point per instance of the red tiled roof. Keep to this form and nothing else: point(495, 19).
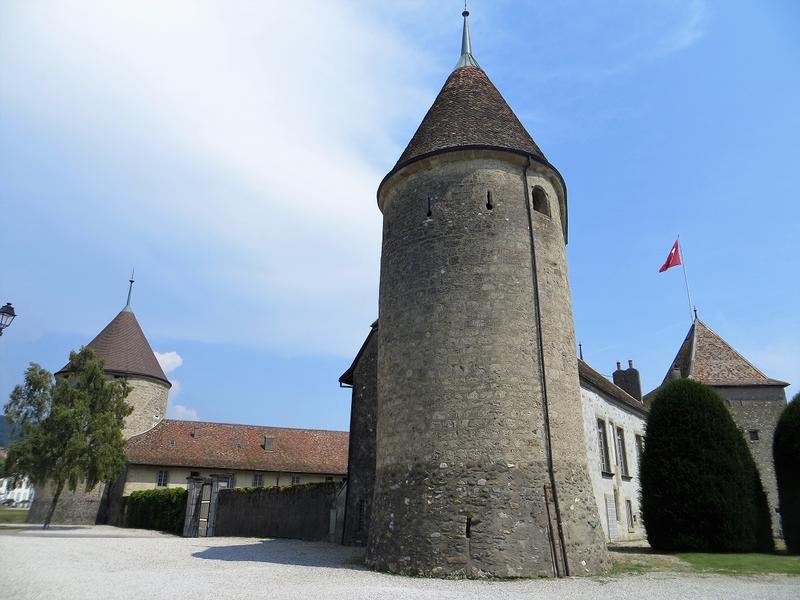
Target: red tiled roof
point(125, 350)
point(241, 447)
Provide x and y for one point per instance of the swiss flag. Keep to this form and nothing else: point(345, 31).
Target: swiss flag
point(673, 259)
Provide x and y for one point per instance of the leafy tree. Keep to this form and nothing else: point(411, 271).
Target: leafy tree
point(786, 452)
point(700, 486)
point(69, 430)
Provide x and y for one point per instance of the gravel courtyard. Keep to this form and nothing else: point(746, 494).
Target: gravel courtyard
point(106, 562)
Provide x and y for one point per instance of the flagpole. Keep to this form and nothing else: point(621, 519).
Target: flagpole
point(686, 281)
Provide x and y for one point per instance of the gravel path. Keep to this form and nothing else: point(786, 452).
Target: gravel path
point(106, 562)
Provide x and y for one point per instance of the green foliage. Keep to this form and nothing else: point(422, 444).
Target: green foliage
point(700, 486)
point(70, 430)
point(281, 489)
point(162, 510)
point(786, 452)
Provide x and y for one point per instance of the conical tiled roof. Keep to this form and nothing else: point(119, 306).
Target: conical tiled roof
point(125, 350)
point(705, 357)
point(469, 111)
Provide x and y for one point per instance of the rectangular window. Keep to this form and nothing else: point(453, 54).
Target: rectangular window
point(629, 510)
point(268, 443)
point(329, 479)
point(639, 450)
point(622, 457)
point(162, 479)
point(753, 435)
point(295, 479)
point(258, 480)
point(602, 440)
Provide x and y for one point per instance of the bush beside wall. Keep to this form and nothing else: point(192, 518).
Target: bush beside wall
point(786, 452)
point(161, 509)
point(700, 486)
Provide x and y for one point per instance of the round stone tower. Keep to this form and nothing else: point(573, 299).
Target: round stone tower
point(126, 354)
point(480, 455)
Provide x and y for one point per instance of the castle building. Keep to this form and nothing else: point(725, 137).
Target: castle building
point(614, 419)
point(164, 453)
point(754, 400)
point(480, 458)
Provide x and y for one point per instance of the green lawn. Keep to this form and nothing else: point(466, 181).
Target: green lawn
point(742, 563)
point(644, 560)
point(12, 515)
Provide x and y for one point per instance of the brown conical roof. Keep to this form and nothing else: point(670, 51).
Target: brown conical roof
point(469, 111)
point(125, 350)
point(705, 357)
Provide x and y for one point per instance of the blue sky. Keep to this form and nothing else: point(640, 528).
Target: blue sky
point(230, 152)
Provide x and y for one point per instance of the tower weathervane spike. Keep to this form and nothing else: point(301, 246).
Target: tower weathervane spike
point(130, 289)
point(466, 59)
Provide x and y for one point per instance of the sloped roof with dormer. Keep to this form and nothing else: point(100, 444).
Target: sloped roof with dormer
point(240, 447)
point(125, 350)
point(705, 357)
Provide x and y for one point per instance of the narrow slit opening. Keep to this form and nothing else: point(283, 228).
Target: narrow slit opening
point(489, 204)
point(429, 207)
point(469, 527)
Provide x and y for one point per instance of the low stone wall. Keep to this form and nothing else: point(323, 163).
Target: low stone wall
point(304, 512)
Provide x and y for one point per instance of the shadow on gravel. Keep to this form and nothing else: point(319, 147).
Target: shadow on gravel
point(289, 552)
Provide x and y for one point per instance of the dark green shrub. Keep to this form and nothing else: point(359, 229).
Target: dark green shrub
point(161, 509)
point(700, 487)
point(786, 452)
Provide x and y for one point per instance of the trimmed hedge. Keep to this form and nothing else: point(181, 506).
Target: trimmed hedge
point(700, 487)
point(161, 509)
point(786, 452)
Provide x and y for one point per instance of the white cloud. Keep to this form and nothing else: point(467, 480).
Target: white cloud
point(179, 411)
point(184, 413)
point(246, 135)
point(169, 361)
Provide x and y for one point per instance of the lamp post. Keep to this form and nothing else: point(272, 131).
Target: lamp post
point(7, 315)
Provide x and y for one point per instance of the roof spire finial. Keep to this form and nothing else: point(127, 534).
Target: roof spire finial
point(466, 59)
point(130, 289)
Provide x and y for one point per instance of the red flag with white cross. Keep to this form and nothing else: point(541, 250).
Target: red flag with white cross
point(673, 259)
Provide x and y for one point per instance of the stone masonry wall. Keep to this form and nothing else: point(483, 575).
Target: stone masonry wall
point(361, 459)
point(461, 465)
point(585, 543)
point(149, 400)
point(759, 408)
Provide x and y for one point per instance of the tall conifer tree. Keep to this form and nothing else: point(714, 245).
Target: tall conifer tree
point(70, 430)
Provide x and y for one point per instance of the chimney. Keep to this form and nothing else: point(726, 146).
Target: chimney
point(629, 380)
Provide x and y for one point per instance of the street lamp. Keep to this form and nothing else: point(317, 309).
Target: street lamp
point(7, 315)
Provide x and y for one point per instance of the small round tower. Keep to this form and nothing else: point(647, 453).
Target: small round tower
point(127, 354)
point(480, 457)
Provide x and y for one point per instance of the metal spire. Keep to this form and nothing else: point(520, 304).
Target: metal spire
point(466, 59)
point(130, 289)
